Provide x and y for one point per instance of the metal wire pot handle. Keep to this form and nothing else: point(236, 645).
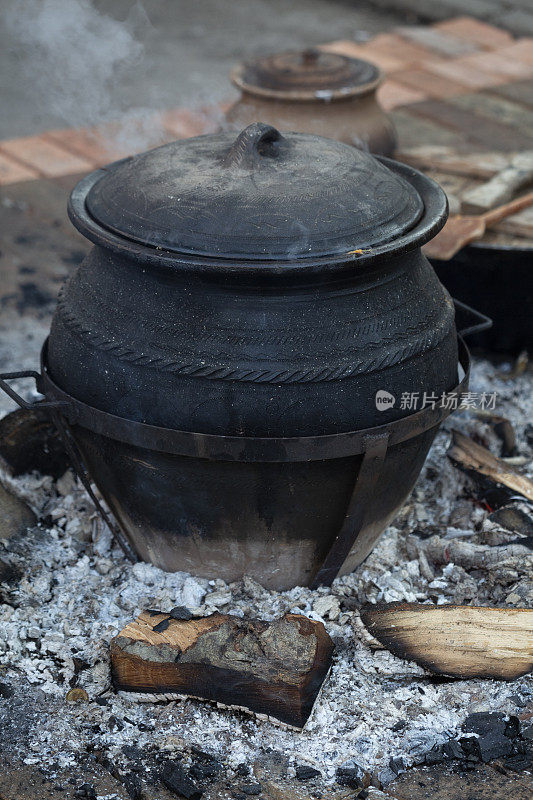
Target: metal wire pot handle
point(54, 407)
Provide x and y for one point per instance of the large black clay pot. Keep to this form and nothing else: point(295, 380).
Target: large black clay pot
point(243, 304)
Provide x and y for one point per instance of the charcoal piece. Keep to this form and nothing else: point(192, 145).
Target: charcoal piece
point(174, 777)
point(9, 574)
point(273, 668)
point(527, 733)
point(452, 749)
point(512, 727)
point(485, 723)
point(6, 691)
point(399, 726)
point(494, 746)
point(513, 519)
point(132, 784)
point(397, 765)
point(350, 774)
point(306, 773)
point(435, 756)
point(205, 769)
point(470, 748)
point(180, 612)
point(161, 626)
point(251, 789)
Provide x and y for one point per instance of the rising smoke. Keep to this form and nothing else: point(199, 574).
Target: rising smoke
point(73, 58)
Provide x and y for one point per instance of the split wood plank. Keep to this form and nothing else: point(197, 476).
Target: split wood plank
point(459, 641)
point(271, 668)
point(480, 464)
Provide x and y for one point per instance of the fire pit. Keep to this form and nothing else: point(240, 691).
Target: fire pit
point(220, 359)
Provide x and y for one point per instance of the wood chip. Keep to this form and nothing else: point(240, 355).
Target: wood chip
point(270, 668)
point(481, 465)
point(459, 641)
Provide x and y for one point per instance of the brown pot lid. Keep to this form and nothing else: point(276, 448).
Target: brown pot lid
point(306, 75)
point(262, 195)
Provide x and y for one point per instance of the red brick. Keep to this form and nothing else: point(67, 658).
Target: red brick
point(12, 171)
point(344, 47)
point(392, 45)
point(431, 84)
point(497, 64)
point(46, 157)
point(439, 42)
point(184, 122)
point(473, 30)
point(90, 143)
point(465, 74)
point(522, 50)
point(392, 94)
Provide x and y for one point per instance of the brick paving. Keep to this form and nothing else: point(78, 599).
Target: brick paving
point(431, 72)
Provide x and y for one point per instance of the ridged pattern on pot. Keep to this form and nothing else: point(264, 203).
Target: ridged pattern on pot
point(387, 341)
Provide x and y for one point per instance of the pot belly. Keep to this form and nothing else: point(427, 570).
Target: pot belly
point(214, 519)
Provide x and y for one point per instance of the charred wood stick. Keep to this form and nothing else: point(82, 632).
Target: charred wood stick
point(271, 668)
point(481, 465)
point(459, 641)
point(473, 556)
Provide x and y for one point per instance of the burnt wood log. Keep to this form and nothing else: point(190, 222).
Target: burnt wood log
point(485, 468)
point(459, 641)
point(271, 668)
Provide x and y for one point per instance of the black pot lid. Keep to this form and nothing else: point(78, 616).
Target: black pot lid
point(261, 195)
point(306, 75)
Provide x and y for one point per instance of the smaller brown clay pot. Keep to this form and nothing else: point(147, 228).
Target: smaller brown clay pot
point(312, 91)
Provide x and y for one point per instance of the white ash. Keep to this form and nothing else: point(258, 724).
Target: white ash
point(78, 591)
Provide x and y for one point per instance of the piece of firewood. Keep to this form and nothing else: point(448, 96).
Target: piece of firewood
point(459, 641)
point(480, 464)
point(271, 668)
point(501, 187)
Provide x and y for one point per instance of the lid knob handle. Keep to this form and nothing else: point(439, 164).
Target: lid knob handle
point(254, 143)
point(310, 57)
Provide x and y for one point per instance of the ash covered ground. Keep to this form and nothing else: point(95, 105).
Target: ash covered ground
point(76, 591)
